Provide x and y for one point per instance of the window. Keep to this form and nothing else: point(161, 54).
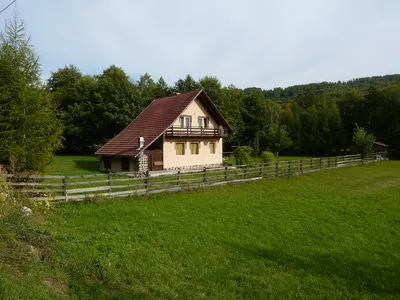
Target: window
point(203, 122)
point(185, 121)
point(212, 148)
point(194, 148)
point(107, 162)
point(180, 148)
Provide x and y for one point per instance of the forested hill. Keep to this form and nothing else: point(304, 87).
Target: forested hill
point(333, 89)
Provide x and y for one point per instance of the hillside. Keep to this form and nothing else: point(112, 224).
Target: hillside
point(334, 89)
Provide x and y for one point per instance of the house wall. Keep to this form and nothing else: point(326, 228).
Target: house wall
point(204, 158)
point(196, 109)
point(116, 165)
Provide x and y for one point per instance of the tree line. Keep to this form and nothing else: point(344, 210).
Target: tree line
point(74, 112)
point(96, 107)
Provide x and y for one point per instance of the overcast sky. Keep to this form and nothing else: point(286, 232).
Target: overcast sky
point(261, 43)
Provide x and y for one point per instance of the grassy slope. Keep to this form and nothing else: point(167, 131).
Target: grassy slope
point(330, 234)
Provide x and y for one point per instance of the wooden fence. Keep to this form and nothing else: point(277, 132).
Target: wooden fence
point(70, 188)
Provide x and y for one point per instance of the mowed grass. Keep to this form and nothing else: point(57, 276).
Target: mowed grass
point(73, 165)
point(329, 234)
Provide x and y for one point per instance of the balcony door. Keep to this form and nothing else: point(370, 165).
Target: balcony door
point(185, 121)
point(203, 122)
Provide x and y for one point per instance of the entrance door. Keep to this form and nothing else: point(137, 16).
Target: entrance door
point(125, 164)
point(155, 160)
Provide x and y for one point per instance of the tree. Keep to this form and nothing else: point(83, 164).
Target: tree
point(30, 127)
point(278, 138)
point(186, 85)
point(62, 85)
point(364, 141)
point(116, 104)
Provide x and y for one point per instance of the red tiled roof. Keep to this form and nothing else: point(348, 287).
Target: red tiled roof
point(150, 124)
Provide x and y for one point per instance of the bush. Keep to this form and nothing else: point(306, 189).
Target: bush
point(267, 156)
point(364, 141)
point(242, 155)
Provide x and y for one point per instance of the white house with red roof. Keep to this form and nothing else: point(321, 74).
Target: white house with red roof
point(181, 131)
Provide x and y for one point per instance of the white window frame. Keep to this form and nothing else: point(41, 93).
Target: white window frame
point(205, 122)
point(185, 121)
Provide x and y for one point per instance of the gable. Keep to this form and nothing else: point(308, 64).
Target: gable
point(195, 110)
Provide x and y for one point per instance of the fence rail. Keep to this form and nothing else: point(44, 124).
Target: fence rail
point(71, 188)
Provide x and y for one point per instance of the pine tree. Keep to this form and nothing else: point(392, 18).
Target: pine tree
point(30, 127)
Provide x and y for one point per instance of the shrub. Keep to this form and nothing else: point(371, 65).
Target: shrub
point(267, 156)
point(243, 155)
point(364, 141)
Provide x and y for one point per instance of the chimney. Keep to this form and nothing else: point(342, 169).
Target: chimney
point(140, 142)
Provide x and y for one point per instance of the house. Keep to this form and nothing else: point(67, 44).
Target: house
point(181, 131)
point(381, 147)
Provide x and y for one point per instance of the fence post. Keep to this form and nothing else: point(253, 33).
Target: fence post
point(226, 173)
point(289, 168)
point(245, 172)
point(178, 177)
point(301, 166)
point(311, 164)
point(276, 168)
point(109, 184)
point(320, 163)
point(329, 162)
point(261, 170)
point(146, 182)
point(65, 194)
point(204, 174)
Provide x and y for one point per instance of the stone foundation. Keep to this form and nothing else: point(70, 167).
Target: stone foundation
point(196, 167)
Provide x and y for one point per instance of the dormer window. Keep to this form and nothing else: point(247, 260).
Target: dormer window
point(203, 122)
point(185, 121)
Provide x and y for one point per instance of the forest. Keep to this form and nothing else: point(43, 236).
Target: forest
point(313, 119)
point(76, 113)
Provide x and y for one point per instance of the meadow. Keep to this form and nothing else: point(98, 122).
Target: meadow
point(328, 234)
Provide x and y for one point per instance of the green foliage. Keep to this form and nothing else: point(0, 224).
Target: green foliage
point(30, 125)
point(186, 85)
point(278, 138)
point(315, 119)
point(267, 156)
point(364, 141)
point(242, 155)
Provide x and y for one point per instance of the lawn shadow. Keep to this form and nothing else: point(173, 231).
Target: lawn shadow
point(92, 166)
point(363, 276)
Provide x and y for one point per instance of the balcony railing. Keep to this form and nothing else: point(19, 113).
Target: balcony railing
point(176, 131)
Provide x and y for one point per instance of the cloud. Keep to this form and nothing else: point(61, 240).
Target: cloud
point(245, 43)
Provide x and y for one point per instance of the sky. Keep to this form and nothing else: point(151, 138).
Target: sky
point(261, 43)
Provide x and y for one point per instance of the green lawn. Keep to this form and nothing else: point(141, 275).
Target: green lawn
point(73, 165)
point(329, 234)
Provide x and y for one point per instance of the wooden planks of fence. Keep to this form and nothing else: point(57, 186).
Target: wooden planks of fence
point(71, 188)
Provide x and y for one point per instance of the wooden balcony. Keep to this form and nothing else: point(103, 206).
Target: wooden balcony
point(176, 131)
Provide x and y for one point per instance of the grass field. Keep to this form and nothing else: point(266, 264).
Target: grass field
point(329, 234)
